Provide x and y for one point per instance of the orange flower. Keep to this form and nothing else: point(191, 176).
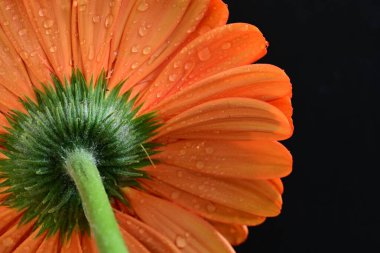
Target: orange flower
point(220, 162)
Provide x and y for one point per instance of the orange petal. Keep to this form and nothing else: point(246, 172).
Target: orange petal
point(150, 238)
point(51, 22)
point(14, 236)
point(259, 81)
point(216, 15)
point(13, 75)
point(244, 159)
point(89, 244)
point(149, 25)
point(220, 49)
point(8, 101)
point(134, 246)
point(8, 218)
point(72, 246)
point(235, 234)
point(242, 115)
point(200, 206)
point(3, 123)
point(20, 32)
point(188, 232)
point(31, 243)
point(257, 197)
point(50, 244)
point(189, 21)
point(285, 105)
point(95, 27)
point(278, 184)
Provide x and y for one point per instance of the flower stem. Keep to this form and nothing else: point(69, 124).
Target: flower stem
point(81, 166)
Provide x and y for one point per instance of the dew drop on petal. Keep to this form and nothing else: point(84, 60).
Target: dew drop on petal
point(134, 65)
point(22, 32)
point(135, 49)
point(180, 242)
point(143, 6)
point(82, 7)
point(188, 65)
point(53, 49)
point(108, 21)
point(75, 3)
point(147, 50)
point(41, 12)
point(96, 19)
point(204, 54)
point(172, 77)
point(143, 31)
point(48, 23)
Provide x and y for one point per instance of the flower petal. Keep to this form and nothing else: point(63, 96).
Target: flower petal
point(13, 75)
point(258, 197)
point(235, 234)
point(160, 53)
point(220, 49)
point(8, 101)
point(95, 27)
point(3, 123)
point(205, 208)
point(51, 22)
point(14, 236)
point(254, 118)
point(31, 243)
point(259, 81)
point(20, 32)
point(186, 230)
point(50, 244)
point(8, 217)
point(134, 246)
point(233, 159)
point(216, 15)
point(150, 238)
point(88, 244)
point(73, 245)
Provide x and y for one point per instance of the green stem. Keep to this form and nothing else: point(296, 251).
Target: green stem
point(81, 167)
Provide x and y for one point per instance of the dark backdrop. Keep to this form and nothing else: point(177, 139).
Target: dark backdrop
point(331, 53)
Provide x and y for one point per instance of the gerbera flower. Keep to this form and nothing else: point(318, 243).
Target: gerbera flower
point(137, 123)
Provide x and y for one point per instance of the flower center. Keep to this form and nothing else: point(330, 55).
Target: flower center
point(66, 117)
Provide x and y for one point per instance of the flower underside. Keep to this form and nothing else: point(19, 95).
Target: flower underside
point(63, 118)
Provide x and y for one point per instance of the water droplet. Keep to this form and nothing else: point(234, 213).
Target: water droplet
point(6, 22)
point(176, 64)
point(266, 44)
point(75, 3)
point(34, 53)
point(188, 65)
point(41, 12)
point(200, 165)
point(204, 54)
point(143, 31)
point(141, 231)
point(211, 208)
point(48, 23)
point(48, 31)
point(15, 17)
point(226, 45)
point(209, 151)
point(147, 50)
point(108, 21)
point(91, 53)
point(180, 242)
point(135, 49)
point(22, 32)
point(82, 7)
point(175, 195)
point(53, 49)
point(8, 7)
point(172, 77)
point(134, 65)
point(143, 6)
point(96, 19)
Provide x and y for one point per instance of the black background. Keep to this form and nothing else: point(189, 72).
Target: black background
point(331, 53)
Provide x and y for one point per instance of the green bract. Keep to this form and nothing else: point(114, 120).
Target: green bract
point(67, 117)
